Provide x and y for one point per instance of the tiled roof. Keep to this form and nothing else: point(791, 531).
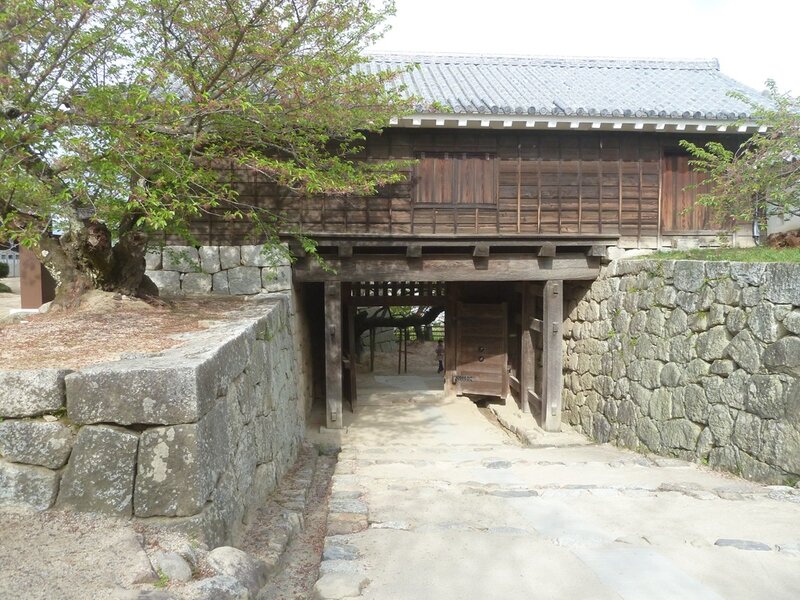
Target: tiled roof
point(571, 87)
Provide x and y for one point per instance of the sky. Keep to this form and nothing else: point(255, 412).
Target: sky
point(754, 40)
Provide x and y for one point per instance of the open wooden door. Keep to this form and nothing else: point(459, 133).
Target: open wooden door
point(481, 349)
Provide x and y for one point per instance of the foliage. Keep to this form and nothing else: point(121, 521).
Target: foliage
point(762, 177)
point(4, 270)
point(761, 254)
point(117, 118)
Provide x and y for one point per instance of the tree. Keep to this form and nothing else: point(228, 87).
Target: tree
point(118, 117)
point(762, 176)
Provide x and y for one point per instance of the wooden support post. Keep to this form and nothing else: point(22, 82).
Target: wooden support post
point(351, 351)
point(371, 349)
point(333, 355)
point(452, 291)
point(527, 367)
point(552, 354)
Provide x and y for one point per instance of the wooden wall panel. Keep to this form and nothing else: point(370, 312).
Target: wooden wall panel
point(534, 182)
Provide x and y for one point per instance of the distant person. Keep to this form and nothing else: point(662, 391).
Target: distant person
point(440, 355)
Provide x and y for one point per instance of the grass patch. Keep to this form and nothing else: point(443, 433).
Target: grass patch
point(785, 255)
point(4, 288)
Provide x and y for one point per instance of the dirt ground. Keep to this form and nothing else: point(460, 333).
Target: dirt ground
point(103, 329)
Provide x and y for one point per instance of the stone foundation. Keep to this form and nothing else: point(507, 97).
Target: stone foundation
point(695, 360)
point(228, 270)
point(195, 436)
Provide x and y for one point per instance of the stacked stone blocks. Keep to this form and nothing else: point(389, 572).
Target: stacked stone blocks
point(196, 436)
point(227, 270)
point(698, 360)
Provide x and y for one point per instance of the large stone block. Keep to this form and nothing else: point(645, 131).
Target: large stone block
point(712, 344)
point(781, 446)
point(766, 396)
point(689, 275)
point(176, 387)
point(748, 273)
point(152, 259)
point(209, 259)
point(720, 422)
point(229, 257)
point(167, 282)
point(783, 356)
point(178, 466)
point(745, 351)
point(28, 486)
point(680, 433)
point(31, 393)
point(792, 321)
point(219, 283)
point(783, 283)
point(100, 472)
point(184, 259)
point(138, 391)
point(244, 280)
point(196, 283)
point(36, 443)
point(747, 433)
point(763, 324)
point(258, 256)
point(276, 279)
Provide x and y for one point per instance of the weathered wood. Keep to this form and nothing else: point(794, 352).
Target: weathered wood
point(345, 250)
point(597, 251)
point(547, 250)
point(333, 355)
point(351, 354)
point(527, 374)
point(450, 316)
point(414, 251)
point(552, 355)
point(512, 267)
point(481, 250)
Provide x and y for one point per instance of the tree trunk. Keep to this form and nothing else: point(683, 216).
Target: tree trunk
point(84, 259)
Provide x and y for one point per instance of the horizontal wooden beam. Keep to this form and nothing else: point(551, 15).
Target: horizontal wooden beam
point(510, 267)
point(414, 251)
point(396, 300)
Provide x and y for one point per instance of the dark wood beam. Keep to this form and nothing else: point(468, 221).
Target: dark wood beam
point(510, 267)
point(333, 355)
point(414, 251)
point(345, 250)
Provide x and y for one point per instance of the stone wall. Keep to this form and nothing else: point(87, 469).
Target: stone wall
point(690, 359)
point(195, 436)
point(235, 270)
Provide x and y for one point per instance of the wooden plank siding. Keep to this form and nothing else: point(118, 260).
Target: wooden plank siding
point(494, 183)
point(680, 187)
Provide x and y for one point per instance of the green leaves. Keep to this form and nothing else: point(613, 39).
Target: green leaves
point(762, 177)
point(136, 113)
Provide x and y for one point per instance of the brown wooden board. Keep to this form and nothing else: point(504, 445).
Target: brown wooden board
point(481, 349)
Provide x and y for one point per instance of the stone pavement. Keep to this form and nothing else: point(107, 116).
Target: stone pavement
point(431, 500)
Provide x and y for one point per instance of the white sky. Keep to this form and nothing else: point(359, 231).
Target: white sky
point(753, 39)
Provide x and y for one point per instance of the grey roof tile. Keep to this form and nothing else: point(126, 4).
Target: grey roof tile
point(683, 89)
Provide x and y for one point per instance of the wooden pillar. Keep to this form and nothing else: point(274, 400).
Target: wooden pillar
point(333, 355)
point(552, 354)
point(527, 353)
point(36, 284)
point(450, 324)
point(351, 351)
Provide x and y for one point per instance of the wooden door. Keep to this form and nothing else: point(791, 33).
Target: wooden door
point(481, 349)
